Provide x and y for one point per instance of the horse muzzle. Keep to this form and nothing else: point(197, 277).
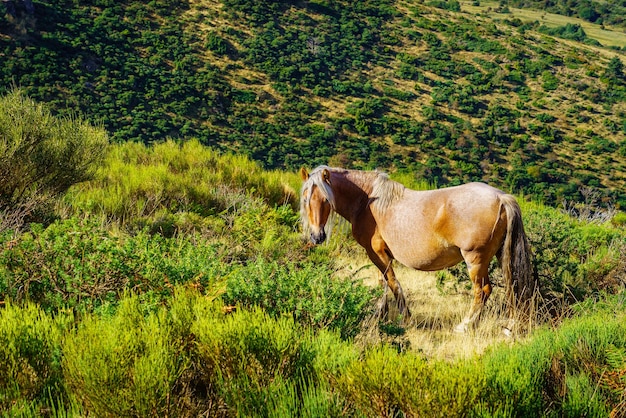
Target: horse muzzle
point(319, 237)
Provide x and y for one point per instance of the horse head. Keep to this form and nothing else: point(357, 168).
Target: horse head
point(316, 203)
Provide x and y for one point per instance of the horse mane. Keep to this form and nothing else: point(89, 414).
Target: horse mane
point(385, 191)
point(382, 191)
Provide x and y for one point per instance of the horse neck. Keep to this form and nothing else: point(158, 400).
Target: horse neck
point(351, 194)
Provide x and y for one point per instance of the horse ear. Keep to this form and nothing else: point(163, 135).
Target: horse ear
point(304, 175)
point(326, 176)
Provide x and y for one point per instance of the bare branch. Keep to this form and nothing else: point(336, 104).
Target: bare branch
point(590, 210)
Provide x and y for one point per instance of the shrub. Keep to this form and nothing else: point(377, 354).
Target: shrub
point(516, 378)
point(216, 43)
point(126, 365)
point(81, 265)
point(260, 366)
point(560, 371)
point(41, 156)
point(30, 354)
point(385, 383)
point(189, 358)
point(549, 81)
point(309, 293)
point(573, 259)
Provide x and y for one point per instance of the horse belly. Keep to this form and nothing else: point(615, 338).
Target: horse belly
point(426, 256)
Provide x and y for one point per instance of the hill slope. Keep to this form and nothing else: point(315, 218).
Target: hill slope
point(437, 89)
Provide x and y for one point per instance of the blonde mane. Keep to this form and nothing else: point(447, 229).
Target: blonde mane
point(385, 191)
point(381, 190)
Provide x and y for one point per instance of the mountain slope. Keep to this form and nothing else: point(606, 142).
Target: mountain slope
point(445, 92)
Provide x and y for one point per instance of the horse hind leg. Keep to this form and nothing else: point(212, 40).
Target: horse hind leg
point(479, 274)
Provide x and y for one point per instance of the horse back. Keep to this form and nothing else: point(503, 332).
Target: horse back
point(433, 227)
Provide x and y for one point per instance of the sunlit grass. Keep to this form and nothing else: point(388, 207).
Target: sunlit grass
point(436, 308)
point(606, 35)
point(137, 181)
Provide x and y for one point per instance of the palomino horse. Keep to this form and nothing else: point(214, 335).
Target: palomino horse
point(426, 230)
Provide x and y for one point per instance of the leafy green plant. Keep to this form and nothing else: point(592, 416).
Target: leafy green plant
point(259, 365)
point(308, 293)
point(30, 356)
point(41, 156)
point(79, 264)
point(573, 259)
point(553, 370)
point(126, 365)
point(189, 357)
point(385, 383)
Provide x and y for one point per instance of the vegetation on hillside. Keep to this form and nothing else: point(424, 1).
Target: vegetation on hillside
point(188, 358)
point(600, 12)
point(41, 157)
point(176, 283)
point(405, 86)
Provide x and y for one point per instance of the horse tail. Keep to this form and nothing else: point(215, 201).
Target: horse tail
point(516, 262)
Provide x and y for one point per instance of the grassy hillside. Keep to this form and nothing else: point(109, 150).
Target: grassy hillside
point(607, 32)
point(440, 90)
point(610, 13)
point(177, 283)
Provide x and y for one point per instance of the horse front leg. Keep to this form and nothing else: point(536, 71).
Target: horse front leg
point(381, 257)
point(383, 305)
point(479, 274)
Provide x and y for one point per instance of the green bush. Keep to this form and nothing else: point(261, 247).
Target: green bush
point(190, 358)
point(81, 265)
point(41, 156)
point(30, 355)
point(216, 44)
point(573, 259)
point(309, 293)
point(385, 383)
point(187, 357)
point(554, 370)
point(126, 365)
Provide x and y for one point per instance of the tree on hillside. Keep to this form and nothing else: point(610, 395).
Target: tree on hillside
point(41, 156)
point(615, 70)
point(29, 7)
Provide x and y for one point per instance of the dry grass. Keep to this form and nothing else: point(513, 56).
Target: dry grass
point(435, 312)
point(606, 35)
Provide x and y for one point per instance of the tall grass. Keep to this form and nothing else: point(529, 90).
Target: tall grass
point(30, 355)
point(385, 383)
point(189, 358)
point(126, 365)
point(139, 182)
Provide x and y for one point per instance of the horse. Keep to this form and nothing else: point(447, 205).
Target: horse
point(425, 230)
